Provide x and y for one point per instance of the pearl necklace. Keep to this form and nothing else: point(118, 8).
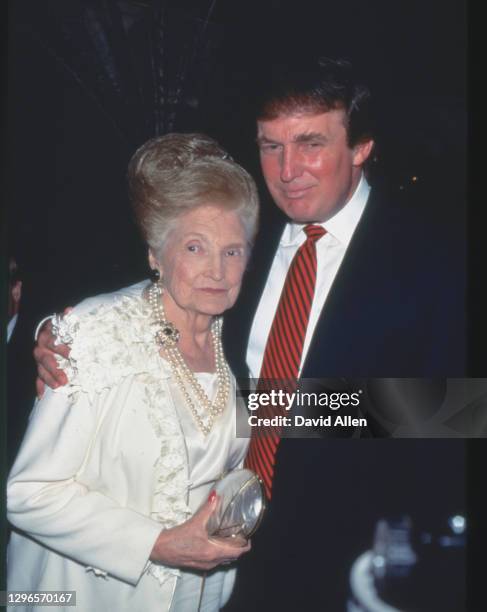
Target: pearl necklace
point(167, 337)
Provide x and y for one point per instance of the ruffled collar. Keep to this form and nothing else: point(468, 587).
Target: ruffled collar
point(108, 344)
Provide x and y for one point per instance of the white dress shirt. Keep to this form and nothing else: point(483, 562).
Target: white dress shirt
point(330, 250)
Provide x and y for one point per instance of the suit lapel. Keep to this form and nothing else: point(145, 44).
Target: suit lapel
point(352, 286)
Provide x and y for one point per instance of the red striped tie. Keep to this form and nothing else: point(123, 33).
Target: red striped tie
point(284, 348)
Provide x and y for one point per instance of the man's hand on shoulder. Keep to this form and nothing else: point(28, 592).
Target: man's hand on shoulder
point(45, 356)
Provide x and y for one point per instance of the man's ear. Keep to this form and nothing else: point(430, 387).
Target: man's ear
point(17, 292)
point(361, 152)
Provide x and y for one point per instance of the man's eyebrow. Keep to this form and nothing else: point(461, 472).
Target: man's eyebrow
point(264, 140)
point(304, 137)
point(310, 136)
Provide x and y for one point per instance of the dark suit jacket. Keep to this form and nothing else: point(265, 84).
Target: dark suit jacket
point(21, 374)
point(397, 305)
point(396, 309)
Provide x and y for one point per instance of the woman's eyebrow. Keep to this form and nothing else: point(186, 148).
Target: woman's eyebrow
point(235, 245)
point(193, 234)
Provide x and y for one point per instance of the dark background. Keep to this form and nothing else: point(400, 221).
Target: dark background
point(89, 81)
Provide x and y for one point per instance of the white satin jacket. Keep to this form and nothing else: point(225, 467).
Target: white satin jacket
point(107, 462)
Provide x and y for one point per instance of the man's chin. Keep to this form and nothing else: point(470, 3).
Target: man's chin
point(300, 213)
point(298, 210)
point(304, 211)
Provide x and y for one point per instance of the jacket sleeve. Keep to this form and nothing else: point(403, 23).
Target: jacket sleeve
point(47, 501)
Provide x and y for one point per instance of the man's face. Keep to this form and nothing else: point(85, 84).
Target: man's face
point(310, 170)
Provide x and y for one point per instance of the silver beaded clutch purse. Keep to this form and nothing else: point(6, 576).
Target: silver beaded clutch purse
point(241, 505)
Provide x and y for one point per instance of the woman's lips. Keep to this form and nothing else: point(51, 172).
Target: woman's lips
point(213, 291)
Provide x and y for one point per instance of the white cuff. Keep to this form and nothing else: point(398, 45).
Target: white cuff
point(41, 323)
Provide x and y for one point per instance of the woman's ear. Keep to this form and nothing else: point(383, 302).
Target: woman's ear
point(153, 263)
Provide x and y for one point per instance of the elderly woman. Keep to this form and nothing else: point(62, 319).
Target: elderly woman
point(112, 485)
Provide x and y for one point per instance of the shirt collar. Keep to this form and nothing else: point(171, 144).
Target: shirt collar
point(10, 327)
point(341, 226)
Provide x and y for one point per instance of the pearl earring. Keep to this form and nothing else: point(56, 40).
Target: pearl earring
point(155, 275)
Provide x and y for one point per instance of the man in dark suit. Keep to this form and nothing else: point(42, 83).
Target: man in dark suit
point(388, 302)
point(390, 282)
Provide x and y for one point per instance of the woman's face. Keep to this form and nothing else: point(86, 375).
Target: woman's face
point(204, 259)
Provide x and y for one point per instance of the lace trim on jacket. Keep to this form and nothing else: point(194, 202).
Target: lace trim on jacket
point(109, 343)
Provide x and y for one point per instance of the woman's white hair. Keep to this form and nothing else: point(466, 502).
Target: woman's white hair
point(173, 174)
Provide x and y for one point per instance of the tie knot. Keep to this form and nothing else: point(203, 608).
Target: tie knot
point(314, 232)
